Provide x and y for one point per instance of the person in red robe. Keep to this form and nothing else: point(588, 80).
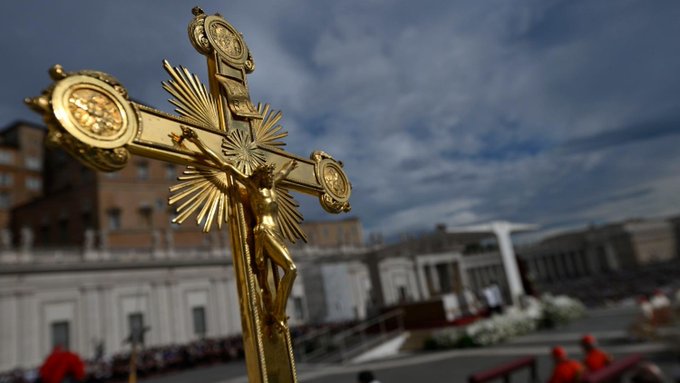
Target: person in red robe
point(595, 358)
point(565, 370)
point(62, 366)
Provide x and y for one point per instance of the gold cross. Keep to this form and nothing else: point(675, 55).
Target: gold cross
point(232, 150)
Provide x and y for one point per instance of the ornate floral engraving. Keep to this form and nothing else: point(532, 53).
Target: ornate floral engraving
point(95, 112)
point(226, 40)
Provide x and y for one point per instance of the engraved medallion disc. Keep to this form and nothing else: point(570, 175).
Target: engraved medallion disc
point(226, 40)
point(334, 180)
point(94, 112)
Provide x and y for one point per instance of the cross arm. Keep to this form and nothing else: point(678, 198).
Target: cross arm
point(89, 115)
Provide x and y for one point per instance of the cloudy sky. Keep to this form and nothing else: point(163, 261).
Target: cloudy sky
point(560, 113)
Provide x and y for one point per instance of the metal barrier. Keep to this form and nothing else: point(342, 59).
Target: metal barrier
point(504, 371)
point(614, 371)
point(351, 341)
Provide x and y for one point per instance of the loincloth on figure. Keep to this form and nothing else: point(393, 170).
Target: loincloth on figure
point(266, 234)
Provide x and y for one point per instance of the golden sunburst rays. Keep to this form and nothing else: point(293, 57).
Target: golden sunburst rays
point(289, 218)
point(204, 191)
point(267, 132)
point(245, 152)
point(242, 151)
point(191, 98)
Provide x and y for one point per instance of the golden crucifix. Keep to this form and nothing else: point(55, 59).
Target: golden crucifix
point(237, 171)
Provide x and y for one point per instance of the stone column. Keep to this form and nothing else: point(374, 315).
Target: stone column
point(28, 329)
point(9, 322)
point(108, 320)
point(177, 314)
point(235, 325)
point(612, 259)
point(420, 272)
point(165, 321)
point(502, 231)
point(212, 310)
point(436, 286)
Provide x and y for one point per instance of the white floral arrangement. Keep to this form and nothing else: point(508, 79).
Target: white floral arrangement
point(561, 309)
point(549, 311)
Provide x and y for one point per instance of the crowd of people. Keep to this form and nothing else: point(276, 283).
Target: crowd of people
point(618, 285)
point(64, 366)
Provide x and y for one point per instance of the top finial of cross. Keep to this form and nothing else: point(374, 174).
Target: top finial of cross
point(213, 34)
point(197, 11)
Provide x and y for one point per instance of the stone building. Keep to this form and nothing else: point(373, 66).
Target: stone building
point(425, 268)
point(127, 208)
point(50, 297)
point(335, 284)
point(80, 299)
point(21, 162)
point(596, 250)
point(89, 294)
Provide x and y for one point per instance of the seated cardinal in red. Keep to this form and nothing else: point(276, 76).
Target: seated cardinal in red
point(565, 370)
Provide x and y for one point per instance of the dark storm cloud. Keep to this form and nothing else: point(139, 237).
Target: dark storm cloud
point(625, 135)
point(545, 111)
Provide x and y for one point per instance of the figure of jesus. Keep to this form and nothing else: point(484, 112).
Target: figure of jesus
point(268, 240)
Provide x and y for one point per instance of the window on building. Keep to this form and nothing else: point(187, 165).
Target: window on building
point(61, 334)
point(6, 158)
point(145, 216)
point(86, 174)
point(136, 326)
point(160, 203)
point(170, 172)
point(198, 314)
point(33, 163)
point(33, 184)
point(403, 293)
point(444, 275)
point(5, 200)
point(113, 216)
point(45, 233)
point(63, 230)
point(6, 179)
point(87, 219)
point(143, 170)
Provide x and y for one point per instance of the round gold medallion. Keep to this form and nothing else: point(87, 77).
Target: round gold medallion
point(334, 180)
point(226, 40)
point(94, 112)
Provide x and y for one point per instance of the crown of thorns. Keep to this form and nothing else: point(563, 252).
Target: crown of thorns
point(264, 168)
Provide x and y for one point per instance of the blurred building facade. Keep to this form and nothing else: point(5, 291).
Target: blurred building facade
point(92, 294)
point(433, 265)
point(21, 164)
point(126, 209)
point(599, 250)
point(81, 300)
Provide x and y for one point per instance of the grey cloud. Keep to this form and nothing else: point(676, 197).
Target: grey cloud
point(626, 135)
